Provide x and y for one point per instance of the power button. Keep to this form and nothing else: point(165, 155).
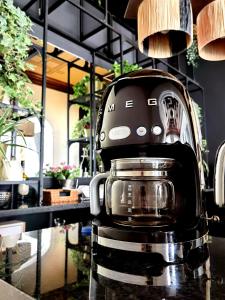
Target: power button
point(156, 130)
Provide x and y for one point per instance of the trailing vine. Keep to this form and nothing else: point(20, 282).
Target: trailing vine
point(14, 45)
point(192, 53)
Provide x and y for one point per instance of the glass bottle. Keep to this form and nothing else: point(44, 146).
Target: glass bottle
point(84, 165)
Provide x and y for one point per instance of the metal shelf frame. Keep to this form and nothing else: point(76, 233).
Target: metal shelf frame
point(104, 52)
point(115, 46)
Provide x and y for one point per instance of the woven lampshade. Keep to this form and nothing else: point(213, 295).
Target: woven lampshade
point(164, 27)
point(211, 31)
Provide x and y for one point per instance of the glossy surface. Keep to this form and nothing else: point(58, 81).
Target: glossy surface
point(131, 278)
point(163, 123)
point(74, 282)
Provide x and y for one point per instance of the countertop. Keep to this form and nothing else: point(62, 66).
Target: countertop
point(84, 273)
point(137, 285)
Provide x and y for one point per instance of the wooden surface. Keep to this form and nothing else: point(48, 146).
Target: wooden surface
point(57, 69)
point(60, 196)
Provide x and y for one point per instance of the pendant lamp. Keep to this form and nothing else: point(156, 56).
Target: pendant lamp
point(211, 31)
point(164, 27)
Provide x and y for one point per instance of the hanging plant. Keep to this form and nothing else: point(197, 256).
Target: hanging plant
point(14, 45)
point(82, 124)
point(192, 52)
point(81, 88)
point(127, 67)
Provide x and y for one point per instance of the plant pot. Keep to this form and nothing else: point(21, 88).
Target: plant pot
point(49, 182)
point(69, 183)
point(11, 170)
point(87, 132)
point(66, 183)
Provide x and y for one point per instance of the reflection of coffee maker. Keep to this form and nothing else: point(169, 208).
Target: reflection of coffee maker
point(149, 141)
point(117, 279)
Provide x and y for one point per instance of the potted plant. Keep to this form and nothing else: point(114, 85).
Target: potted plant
point(127, 67)
point(82, 126)
point(82, 87)
point(14, 45)
point(192, 54)
point(9, 125)
point(63, 174)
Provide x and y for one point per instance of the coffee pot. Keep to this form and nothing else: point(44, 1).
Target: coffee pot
point(141, 191)
point(149, 139)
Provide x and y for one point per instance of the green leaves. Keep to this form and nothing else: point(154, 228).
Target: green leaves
point(192, 53)
point(127, 67)
point(83, 123)
point(7, 126)
point(14, 45)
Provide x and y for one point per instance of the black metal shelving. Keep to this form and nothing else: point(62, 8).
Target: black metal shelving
point(21, 112)
point(11, 182)
point(48, 216)
point(106, 42)
point(83, 140)
point(85, 100)
point(101, 45)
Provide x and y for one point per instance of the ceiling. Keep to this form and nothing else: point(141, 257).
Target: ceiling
point(57, 67)
point(57, 59)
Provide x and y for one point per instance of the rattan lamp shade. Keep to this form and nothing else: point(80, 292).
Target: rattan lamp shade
point(164, 27)
point(211, 31)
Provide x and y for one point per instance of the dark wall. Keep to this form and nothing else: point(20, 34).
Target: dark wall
point(211, 75)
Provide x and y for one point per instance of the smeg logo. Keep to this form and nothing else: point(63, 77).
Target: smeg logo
point(131, 104)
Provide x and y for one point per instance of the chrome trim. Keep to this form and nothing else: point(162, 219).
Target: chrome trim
point(172, 275)
point(171, 252)
point(145, 163)
point(140, 173)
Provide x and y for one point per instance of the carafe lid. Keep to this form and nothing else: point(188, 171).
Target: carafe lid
point(143, 163)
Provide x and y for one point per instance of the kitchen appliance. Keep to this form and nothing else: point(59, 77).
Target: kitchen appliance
point(148, 136)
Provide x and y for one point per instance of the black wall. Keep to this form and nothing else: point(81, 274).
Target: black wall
point(211, 75)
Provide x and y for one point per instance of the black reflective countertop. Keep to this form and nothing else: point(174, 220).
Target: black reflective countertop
point(170, 282)
point(66, 269)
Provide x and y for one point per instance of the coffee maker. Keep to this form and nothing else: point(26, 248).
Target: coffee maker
point(148, 137)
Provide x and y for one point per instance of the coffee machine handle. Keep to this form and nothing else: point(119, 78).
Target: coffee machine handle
point(94, 193)
point(219, 176)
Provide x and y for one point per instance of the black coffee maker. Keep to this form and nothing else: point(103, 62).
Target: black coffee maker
point(148, 136)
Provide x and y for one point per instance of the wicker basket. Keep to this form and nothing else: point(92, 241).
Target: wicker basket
point(60, 196)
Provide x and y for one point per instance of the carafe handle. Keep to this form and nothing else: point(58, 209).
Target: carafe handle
point(94, 193)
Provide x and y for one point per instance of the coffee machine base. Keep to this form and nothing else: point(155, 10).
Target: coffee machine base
point(166, 276)
point(163, 245)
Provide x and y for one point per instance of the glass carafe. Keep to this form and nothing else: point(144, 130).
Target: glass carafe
point(140, 191)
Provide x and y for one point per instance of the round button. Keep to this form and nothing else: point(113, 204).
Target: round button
point(156, 130)
point(141, 131)
point(102, 136)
